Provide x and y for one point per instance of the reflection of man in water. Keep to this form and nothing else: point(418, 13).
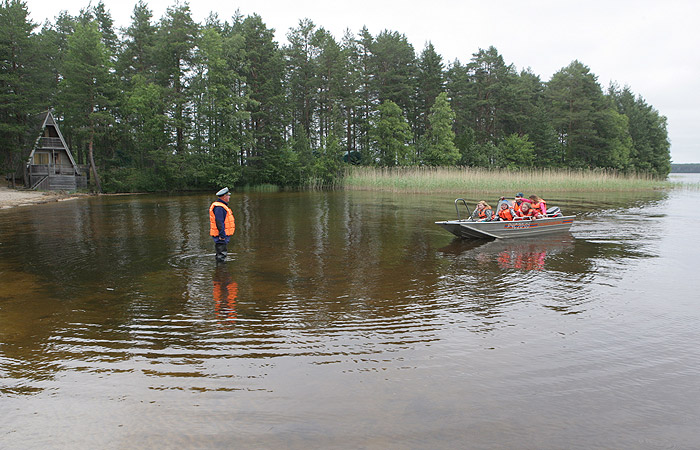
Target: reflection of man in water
point(225, 294)
point(221, 224)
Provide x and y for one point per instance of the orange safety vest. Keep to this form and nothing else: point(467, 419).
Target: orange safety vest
point(505, 214)
point(540, 207)
point(229, 222)
point(482, 212)
point(530, 213)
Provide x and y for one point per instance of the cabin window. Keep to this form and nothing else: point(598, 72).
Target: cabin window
point(41, 158)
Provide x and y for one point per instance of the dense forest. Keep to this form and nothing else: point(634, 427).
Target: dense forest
point(171, 104)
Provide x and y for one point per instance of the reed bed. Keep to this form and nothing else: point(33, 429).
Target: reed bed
point(467, 179)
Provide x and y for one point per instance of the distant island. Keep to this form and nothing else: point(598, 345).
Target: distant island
point(685, 168)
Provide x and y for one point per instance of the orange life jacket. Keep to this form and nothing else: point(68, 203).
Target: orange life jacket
point(229, 222)
point(530, 213)
point(482, 212)
point(505, 214)
point(541, 207)
point(517, 206)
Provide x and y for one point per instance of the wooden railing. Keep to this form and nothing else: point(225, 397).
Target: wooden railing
point(50, 142)
point(51, 169)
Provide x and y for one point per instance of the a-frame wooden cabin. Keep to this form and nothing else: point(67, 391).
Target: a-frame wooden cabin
point(50, 165)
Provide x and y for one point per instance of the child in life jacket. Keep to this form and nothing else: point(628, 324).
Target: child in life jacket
point(483, 212)
point(505, 212)
point(519, 200)
point(526, 212)
point(539, 205)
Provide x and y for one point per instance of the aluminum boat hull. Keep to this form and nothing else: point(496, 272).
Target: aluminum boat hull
point(469, 229)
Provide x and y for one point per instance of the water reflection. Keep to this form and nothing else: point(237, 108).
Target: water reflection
point(521, 254)
point(334, 308)
point(225, 293)
point(328, 275)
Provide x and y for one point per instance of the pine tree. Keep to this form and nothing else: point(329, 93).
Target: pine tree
point(138, 55)
point(492, 95)
point(430, 84)
point(393, 70)
point(87, 88)
point(219, 105)
point(16, 52)
point(350, 94)
point(650, 150)
point(391, 136)
point(302, 81)
point(264, 70)
point(175, 43)
point(368, 98)
point(517, 152)
point(331, 77)
point(440, 147)
point(577, 108)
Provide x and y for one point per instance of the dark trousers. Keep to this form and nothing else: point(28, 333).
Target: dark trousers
point(221, 251)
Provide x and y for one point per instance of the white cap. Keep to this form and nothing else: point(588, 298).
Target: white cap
point(224, 191)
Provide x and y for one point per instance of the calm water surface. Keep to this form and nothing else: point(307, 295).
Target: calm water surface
point(348, 320)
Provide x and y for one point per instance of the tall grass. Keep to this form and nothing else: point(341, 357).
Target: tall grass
point(464, 179)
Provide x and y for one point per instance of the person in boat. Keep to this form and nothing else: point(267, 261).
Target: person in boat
point(483, 212)
point(505, 212)
point(526, 212)
point(221, 224)
point(519, 200)
point(539, 205)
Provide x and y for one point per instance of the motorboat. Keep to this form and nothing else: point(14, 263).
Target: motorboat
point(469, 228)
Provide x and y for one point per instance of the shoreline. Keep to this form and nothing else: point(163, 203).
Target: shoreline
point(11, 198)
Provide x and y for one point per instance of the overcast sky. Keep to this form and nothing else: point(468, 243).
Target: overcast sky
point(649, 45)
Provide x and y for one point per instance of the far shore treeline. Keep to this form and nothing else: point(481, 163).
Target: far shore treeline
point(685, 168)
point(169, 104)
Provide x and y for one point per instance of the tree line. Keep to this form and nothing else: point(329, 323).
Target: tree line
point(171, 104)
point(685, 168)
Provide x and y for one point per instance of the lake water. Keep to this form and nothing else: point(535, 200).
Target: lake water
point(348, 320)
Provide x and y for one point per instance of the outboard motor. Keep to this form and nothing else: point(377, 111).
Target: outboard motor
point(554, 211)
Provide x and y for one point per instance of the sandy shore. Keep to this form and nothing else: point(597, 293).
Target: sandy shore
point(10, 198)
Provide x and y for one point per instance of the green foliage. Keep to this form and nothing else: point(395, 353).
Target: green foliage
point(650, 149)
point(517, 152)
point(580, 115)
point(329, 165)
point(263, 72)
point(391, 135)
point(483, 155)
point(393, 67)
point(17, 48)
point(441, 149)
point(172, 104)
point(430, 83)
point(175, 43)
point(492, 95)
point(132, 179)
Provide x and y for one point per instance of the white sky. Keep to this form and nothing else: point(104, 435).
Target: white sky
point(650, 45)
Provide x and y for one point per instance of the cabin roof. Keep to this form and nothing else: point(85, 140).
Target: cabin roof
point(37, 123)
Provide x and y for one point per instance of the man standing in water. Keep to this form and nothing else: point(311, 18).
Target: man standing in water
point(221, 224)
